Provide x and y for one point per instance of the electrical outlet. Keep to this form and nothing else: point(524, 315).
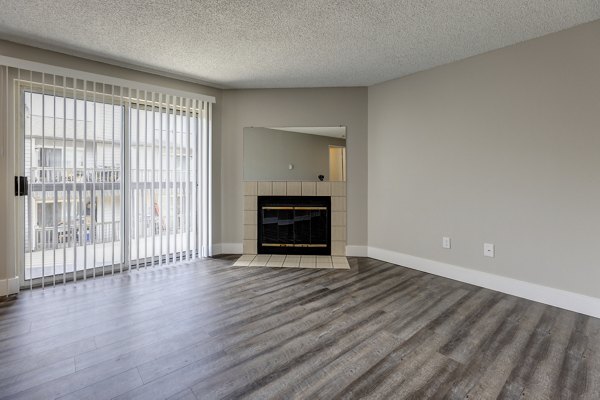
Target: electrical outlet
point(488, 249)
point(446, 242)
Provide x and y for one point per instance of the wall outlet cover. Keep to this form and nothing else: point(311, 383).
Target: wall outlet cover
point(488, 249)
point(446, 243)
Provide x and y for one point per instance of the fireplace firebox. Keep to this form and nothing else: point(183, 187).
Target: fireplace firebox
point(294, 225)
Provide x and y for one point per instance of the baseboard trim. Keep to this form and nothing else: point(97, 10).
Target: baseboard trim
point(356, 251)
point(543, 294)
point(227, 248)
point(9, 286)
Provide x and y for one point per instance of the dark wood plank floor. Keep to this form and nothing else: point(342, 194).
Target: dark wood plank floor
point(208, 330)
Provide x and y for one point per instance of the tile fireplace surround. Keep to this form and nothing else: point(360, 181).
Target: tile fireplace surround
point(337, 191)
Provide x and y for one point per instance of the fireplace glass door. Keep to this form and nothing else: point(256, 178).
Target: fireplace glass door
point(294, 225)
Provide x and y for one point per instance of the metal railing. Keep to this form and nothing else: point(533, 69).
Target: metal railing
point(52, 175)
point(67, 236)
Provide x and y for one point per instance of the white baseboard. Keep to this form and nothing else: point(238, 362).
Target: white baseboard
point(555, 297)
point(9, 286)
point(215, 249)
point(227, 248)
point(357, 251)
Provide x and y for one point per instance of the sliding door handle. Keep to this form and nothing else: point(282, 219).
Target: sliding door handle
point(21, 186)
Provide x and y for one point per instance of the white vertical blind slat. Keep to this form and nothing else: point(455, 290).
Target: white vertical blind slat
point(205, 163)
point(122, 198)
point(54, 191)
point(160, 181)
point(136, 212)
point(99, 172)
point(129, 228)
point(168, 210)
point(30, 197)
point(112, 181)
point(153, 180)
point(64, 181)
point(43, 177)
point(187, 180)
point(93, 204)
point(209, 182)
point(145, 202)
point(176, 180)
point(84, 219)
point(74, 196)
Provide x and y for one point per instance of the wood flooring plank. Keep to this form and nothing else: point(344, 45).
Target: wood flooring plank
point(491, 363)
point(43, 359)
point(400, 370)
point(36, 377)
point(592, 355)
point(186, 394)
point(372, 378)
point(320, 345)
point(536, 351)
point(462, 345)
point(108, 388)
point(205, 329)
point(407, 328)
point(304, 371)
point(431, 375)
point(338, 374)
point(572, 379)
point(241, 347)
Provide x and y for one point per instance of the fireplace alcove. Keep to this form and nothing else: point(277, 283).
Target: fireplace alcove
point(294, 225)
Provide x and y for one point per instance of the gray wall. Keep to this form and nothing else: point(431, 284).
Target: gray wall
point(502, 148)
point(10, 49)
point(269, 152)
point(294, 107)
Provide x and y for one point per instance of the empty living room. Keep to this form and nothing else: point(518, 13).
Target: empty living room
point(299, 199)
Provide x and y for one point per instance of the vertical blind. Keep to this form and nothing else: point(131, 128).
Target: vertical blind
point(118, 176)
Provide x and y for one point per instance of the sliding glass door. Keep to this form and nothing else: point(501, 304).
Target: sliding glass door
point(163, 177)
point(118, 178)
point(73, 163)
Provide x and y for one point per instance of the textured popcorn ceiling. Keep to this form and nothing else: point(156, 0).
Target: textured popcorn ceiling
point(286, 43)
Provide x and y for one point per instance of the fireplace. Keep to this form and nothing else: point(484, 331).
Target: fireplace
point(294, 225)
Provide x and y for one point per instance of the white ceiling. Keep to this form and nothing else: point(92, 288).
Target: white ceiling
point(286, 43)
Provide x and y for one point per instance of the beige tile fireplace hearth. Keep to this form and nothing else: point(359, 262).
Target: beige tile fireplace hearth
point(293, 261)
point(336, 190)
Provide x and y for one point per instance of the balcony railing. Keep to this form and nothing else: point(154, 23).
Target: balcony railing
point(52, 175)
point(67, 236)
point(105, 178)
